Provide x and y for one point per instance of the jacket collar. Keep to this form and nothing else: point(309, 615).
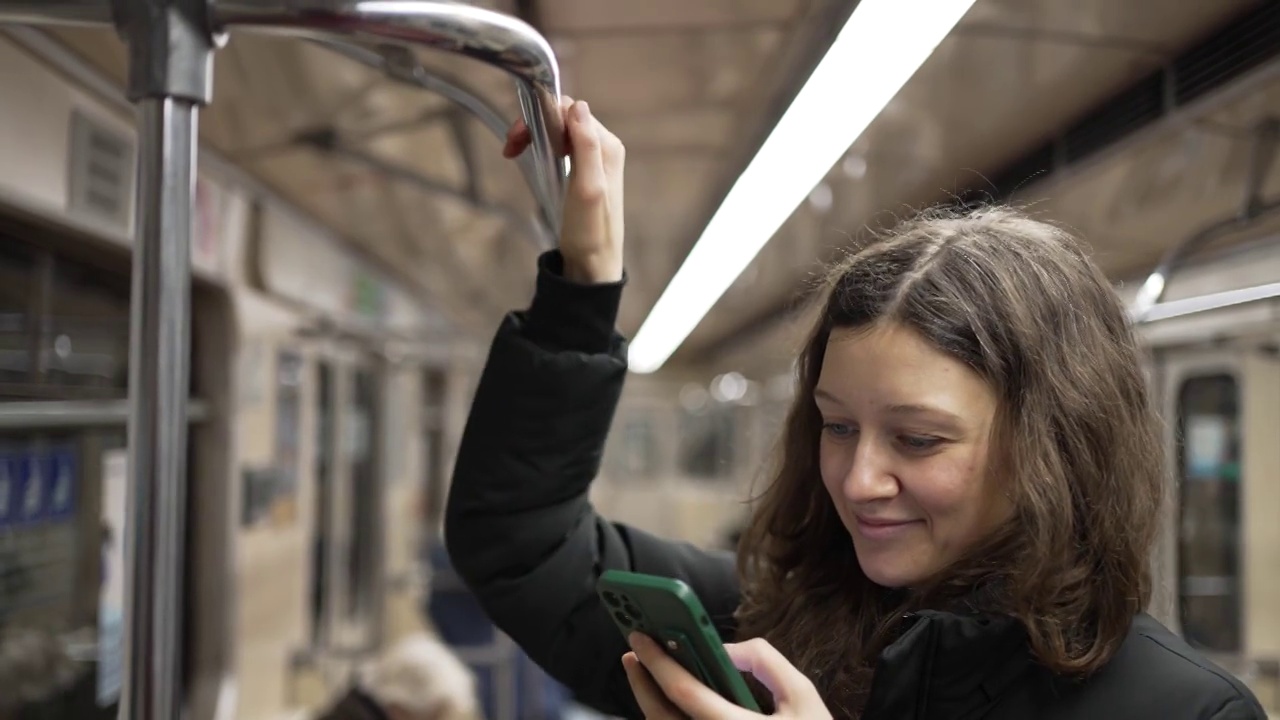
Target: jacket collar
point(947, 664)
point(356, 705)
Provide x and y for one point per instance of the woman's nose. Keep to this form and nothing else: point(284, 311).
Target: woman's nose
point(870, 476)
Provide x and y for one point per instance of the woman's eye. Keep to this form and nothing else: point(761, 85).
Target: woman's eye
point(837, 430)
point(918, 443)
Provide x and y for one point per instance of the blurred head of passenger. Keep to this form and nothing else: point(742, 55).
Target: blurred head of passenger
point(34, 668)
point(971, 427)
point(422, 679)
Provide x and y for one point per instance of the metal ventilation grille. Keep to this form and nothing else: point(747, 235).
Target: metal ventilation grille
point(101, 171)
point(1031, 167)
point(1239, 47)
point(1138, 106)
point(1242, 45)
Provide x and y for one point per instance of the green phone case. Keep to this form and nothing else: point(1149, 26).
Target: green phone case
point(668, 611)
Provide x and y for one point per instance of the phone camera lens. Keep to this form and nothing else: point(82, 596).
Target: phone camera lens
point(623, 618)
point(633, 611)
point(612, 599)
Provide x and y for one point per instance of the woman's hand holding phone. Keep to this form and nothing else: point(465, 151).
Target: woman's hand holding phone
point(666, 690)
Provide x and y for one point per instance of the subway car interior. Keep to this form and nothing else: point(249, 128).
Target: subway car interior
point(253, 254)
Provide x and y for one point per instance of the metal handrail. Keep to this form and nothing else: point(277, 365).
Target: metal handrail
point(171, 46)
point(490, 37)
point(1213, 301)
point(1266, 143)
point(404, 68)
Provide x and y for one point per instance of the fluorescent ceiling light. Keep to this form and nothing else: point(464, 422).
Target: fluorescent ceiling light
point(881, 46)
point(1213, 301)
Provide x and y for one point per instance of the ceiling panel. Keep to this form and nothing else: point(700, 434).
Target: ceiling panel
point(1011, 75)
point(689, 86)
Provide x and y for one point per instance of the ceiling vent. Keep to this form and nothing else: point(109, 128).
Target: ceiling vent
point(1244, 44)
point(101, 172)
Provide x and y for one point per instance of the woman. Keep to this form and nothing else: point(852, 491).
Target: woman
point(962, 514)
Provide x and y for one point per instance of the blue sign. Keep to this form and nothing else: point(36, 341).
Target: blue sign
point(37, 486)
point(31, 496)
point(60, 484)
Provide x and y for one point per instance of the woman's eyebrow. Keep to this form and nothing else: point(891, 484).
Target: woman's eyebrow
point(820, 394)
point(913, 409)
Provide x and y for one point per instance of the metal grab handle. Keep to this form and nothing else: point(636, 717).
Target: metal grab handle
point(409, 71)
point(491, 37)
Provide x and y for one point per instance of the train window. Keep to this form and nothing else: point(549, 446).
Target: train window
point(64, 327)
point(365, 490)
point(64, 335)
point(707, 440)
point(435, 478)
point(1209, 512)
point(17, 268)
point(289, 368)
point(633, 447)
point(61, 568)
point(85, 342)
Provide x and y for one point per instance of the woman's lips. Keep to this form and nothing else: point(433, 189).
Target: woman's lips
point(878, 529)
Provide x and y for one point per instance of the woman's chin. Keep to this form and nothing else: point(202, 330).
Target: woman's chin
point(890, 569)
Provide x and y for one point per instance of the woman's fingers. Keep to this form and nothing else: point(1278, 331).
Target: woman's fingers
point(518, 136)
point(652, 702)
point(679, 688)
point(518, 139)
point(587, 177)
point(793, 692)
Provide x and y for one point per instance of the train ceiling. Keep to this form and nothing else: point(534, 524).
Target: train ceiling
point(692, 88)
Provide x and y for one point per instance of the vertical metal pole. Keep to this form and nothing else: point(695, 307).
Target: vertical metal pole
point(170, 76)
point(158, 387)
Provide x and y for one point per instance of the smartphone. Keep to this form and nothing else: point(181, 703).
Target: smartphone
point(670, 613)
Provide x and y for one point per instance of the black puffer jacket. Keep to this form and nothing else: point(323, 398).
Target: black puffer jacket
point(522, 533)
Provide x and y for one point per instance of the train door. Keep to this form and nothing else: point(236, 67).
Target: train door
point(362, 574)
point(347, 544)
point(1222, 409)
point(325, 464)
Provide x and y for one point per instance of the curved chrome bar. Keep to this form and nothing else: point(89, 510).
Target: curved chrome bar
point(410, 72)
point(1266, 143)
point(1152, 290)
point(491, 37)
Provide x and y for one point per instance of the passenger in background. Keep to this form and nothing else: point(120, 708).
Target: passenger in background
point(420, 679)
point(960, 523)
point(39, 679)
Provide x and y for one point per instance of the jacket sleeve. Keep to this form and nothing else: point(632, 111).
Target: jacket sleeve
point(519, 527)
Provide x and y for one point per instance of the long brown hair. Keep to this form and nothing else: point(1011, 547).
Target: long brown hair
point(1076, 444)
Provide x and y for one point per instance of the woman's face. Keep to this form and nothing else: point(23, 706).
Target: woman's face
point(903, 452)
